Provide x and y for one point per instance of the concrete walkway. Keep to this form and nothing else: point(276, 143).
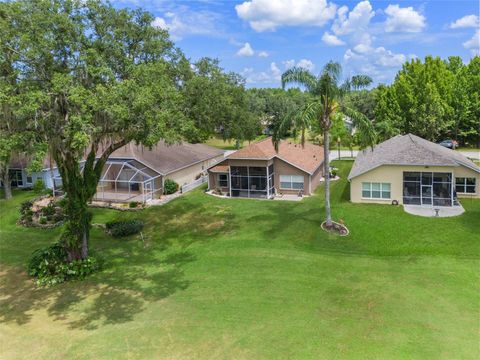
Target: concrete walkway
point(431, 211)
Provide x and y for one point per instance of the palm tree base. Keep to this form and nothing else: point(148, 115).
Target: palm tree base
point(335, 228)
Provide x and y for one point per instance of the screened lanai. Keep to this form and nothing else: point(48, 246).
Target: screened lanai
point(128, 180)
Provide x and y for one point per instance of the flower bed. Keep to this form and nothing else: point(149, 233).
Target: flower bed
point(44, 212)
point(336, 228)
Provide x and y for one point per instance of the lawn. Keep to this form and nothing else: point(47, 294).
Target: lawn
point(253, 279)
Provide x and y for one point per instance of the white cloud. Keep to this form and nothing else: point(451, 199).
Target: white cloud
point(331, 39)
point(184, 22)
point(355, 21)
point(474, 43)
point(246, 50)
point(465, 22)
point(272, 76)
point(263, 54)
point(403, 19)
point(306, 64)
point(267, 15)
point(289, 63)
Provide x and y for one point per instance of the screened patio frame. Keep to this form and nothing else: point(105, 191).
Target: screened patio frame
point(145, 177)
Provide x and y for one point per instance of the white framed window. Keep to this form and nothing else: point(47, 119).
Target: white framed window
point(376, 190)
point(223, 180)
point(465, 185)
point(294, 182)
point(29, 179)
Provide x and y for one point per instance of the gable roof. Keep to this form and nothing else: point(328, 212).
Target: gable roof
point(408, 150)
point(307, 158)
point(166, 159)
point(162, 158)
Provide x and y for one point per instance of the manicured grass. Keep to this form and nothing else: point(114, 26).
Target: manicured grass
point(223, 144)
point(224, 278)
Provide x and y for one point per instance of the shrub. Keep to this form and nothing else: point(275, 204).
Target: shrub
point(42, 220)
point(133, 204)
point(170, 186)
point(58, 217)
point(26, 206)
point(49, 210)
point(50, 266)
point(39, 186)
point(333, 173)
point(62, 202)
point(124, 228)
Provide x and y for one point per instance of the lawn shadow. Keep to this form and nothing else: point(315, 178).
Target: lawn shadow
point(138, 270)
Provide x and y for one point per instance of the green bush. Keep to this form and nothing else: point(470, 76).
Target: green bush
point(133, 204)
point(42, 220)
point(39, 186)
point(50, 266)
point(58, 217)
point(49, 210)
point(124, 228)
point(62, 202)
point(26, 207)
point(170, 186)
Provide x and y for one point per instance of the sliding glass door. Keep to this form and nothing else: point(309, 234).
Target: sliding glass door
point(427, 188)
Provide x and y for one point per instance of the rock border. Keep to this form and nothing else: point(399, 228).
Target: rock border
point(336, 229)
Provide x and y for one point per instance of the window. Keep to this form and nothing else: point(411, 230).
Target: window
point(375, 190)
point(294, 182)
point(465, 185)
point(29, 179)
point(223, 180)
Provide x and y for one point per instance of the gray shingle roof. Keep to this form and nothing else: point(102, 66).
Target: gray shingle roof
point(408, 150)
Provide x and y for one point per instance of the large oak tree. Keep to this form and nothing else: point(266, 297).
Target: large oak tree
point(108, 78)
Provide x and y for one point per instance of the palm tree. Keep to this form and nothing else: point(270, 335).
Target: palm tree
point(327, 95)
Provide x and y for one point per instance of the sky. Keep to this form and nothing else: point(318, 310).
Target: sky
point(260, 39)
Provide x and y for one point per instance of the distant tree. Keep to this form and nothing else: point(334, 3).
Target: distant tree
point(108, 77)
point(217, 101)
point(327, 100)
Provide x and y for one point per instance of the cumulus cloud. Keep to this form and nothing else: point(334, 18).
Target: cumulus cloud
point(263, 54)
point(306, 64)
point(271, 76)
point(266, 15)
point(403, 19)
point(246, 50)
point(331, 39)
point(185, 22)
point(467, 21)
point(355, 21)
point(473, 44)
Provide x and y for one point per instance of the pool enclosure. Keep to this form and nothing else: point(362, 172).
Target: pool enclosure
point(125, 180)
point(252, 181)
point(428, 188)
point(128, 180)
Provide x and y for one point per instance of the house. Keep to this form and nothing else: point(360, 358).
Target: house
point(133, 172)
point(411, 170)
point(259, 171)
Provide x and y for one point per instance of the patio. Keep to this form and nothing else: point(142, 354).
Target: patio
point(434, 211)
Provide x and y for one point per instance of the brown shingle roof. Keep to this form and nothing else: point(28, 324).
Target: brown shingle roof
point(167, 158)
point(219, 169)
point(162, 158)
point(307, 158)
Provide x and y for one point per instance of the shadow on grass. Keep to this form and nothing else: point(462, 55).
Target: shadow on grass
point(138, 270)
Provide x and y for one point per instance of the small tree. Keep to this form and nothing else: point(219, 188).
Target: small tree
point(327, 95)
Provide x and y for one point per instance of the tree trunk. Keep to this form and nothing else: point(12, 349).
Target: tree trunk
point(7, 186)
point(326, 164)
point(77, 231)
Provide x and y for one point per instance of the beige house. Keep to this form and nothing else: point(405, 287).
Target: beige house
point(259, 171)
point(134, 172)
point(410, 170)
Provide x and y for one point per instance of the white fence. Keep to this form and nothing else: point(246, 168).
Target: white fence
point(195, 184)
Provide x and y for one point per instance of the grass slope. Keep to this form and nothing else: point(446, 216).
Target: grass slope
point(238, 278)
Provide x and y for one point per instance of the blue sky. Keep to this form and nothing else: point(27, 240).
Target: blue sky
point(262, 38)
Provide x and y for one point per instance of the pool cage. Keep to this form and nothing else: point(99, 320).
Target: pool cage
point(125, 181)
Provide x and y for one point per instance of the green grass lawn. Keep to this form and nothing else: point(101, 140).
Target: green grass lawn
point(252, 279)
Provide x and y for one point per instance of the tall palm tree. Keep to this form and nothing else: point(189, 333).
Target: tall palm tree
point(327, 94)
